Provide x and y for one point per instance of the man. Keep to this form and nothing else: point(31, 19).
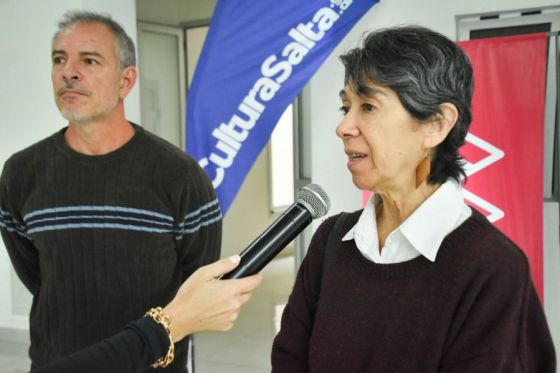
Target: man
point(102, 220)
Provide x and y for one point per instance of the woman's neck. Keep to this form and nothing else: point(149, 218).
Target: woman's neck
point(394, 207)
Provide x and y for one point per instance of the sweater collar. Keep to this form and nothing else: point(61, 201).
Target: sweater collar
point(65, 149)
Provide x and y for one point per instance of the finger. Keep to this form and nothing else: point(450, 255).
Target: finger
point(221, 266)
point(246, 284)
point(244, 298)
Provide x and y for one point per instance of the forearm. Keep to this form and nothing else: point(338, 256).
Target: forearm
point(290, 350)
point(290, 347)
point(133, 349)
point(24, 258)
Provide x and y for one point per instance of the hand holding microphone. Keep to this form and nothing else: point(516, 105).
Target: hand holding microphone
point(205, 304)
point(312, 202)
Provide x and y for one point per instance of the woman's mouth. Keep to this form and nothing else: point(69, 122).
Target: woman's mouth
point(356, 156)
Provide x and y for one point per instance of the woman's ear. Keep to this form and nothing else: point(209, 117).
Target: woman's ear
point(438, 129)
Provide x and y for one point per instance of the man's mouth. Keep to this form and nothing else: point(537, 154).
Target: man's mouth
point(70, 91)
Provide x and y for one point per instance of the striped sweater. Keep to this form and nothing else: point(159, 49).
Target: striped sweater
point(98, 240)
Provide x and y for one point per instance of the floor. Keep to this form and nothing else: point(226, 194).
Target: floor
point(245, 349)
point(13, 356)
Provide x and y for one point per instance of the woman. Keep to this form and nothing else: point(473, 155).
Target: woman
point(202, 303)
point(417, 281)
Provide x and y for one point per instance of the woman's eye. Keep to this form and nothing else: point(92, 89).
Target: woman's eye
point(344, 110)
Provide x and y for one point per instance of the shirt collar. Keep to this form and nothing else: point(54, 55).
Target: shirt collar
point(366, 238)
point(425, 228)
point(434, 219)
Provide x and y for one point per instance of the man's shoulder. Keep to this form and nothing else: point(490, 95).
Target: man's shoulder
point(167, 152)
point(173, 163)
point(29, 156)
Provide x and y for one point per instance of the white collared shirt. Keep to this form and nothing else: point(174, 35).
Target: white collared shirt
point(420, 234)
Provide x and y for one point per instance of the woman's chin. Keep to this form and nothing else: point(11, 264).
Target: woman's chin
point(362, 184)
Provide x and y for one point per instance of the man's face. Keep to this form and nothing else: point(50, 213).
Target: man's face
point(85, 74)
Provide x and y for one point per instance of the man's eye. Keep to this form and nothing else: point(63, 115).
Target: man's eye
point(368, 107)
point(344, 110)
point(91, 61)
point(58, 60)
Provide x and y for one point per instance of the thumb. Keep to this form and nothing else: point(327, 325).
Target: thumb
point(221, 266)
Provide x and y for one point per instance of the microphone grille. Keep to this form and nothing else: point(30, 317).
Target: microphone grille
point(315, 199)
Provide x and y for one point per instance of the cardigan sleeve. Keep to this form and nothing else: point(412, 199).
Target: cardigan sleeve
point(504, 328)
point(20, 247)
point(133, 349)
point(290, 349)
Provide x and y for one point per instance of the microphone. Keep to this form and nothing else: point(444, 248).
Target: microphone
point(312, 202)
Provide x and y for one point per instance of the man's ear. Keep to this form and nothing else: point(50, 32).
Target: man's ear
point(439, 127)
point(128, 79)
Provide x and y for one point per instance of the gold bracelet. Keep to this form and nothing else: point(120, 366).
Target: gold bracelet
point(162, 319)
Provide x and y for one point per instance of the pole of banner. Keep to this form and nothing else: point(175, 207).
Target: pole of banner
point(551, 250)
point(556, 52)
point(552, 300)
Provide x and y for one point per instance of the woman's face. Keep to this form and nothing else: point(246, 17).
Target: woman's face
point(384, 144)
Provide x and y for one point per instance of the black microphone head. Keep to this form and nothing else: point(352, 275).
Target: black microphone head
point(314, 198)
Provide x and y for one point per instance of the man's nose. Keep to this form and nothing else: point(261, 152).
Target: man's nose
point(71, 71)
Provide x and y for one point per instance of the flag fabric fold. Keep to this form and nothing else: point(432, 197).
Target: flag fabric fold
point(257, 57)
point(504, 148)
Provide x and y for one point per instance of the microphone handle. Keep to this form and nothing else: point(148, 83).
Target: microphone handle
point(265, 247)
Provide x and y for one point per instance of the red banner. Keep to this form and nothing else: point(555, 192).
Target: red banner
point(504, 148)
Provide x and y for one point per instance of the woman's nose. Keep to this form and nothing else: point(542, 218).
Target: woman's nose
point(347, 126)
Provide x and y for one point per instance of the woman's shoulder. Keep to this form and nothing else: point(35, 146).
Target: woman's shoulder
point(479, 242)
point(325, 229)
point(349, 220)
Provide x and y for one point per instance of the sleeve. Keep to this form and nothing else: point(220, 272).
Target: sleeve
point(536, 350)
point(290, 349)
point(199, 231)
point(504, 329)
point(133, 349)
point(20, 247)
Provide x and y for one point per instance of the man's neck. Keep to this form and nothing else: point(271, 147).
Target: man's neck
point(98, 138)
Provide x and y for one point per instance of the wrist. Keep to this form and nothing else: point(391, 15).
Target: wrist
point(158, 315)
point(177, 328)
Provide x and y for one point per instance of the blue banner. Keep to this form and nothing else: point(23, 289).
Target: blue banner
point(257, 57)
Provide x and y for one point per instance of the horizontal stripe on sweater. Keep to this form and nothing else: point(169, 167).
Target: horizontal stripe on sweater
point(110, 217)
point(10, 223)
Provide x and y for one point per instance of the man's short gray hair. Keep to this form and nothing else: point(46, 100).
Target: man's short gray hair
point(123, 43)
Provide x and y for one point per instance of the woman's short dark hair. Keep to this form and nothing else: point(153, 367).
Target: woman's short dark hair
point(425, 69)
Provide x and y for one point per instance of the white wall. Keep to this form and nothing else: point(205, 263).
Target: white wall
point(330, 171)
point(174, 12)
point(27, 109)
